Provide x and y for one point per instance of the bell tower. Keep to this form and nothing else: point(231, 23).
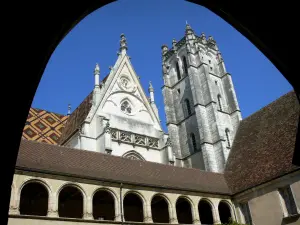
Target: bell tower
point(200, 102)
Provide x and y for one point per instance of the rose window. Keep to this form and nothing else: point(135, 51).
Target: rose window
point(125, 82)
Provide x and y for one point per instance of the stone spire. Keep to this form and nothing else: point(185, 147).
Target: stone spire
point(203, 38)
point(151, 91)
point(69, 109)
point(212, 43)
point(97, 75)
point(188, 29)
point(123, 44)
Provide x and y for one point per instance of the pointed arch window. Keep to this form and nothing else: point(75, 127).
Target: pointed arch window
point(193, 140)
point(133, 155)
point(227, 137)
point(185, 65)
point(188, 107)
point(178, 71)
point(219, 102)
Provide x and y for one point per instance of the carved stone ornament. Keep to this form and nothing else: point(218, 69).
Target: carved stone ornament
point(126, 84)
point(168, 142)
point(107, 128)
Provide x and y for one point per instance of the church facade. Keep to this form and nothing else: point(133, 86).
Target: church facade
point(112, 162)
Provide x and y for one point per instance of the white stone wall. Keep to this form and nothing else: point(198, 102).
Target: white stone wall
point(121, 104)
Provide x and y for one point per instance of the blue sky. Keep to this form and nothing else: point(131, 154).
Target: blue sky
point(147, 25)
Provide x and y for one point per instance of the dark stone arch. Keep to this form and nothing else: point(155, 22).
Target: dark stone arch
point(34, 199)
point(239, 15)
point(224, 212)
point(205, 212)
point(70, 202)
point(160, 209)
point(103, 205)
point(133, 208)
point(184, 211)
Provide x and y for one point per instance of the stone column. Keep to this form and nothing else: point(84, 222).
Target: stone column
point(14, 202)
point(147, 213)
point(173, 213)
point(88, 208)
point(195, 214)
point(118, 210)
point(216, 216)
point(53, 205)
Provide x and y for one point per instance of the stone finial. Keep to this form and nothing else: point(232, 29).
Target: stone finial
point(211, 39)
point(97, 69)
point(202, 36)
point(69, 109)
point(123, 44)
point(188, 29)
point(174, 42)
point(151, 89)
point(164, 49)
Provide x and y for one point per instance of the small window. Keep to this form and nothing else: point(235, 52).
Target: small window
point(245, 210)
point(178, 71)
point(227, 137)
point(188, 107)
point(210, 68)
point(209, 61)
point(288, 202)
point(185, 65)
point(219, 102)
point(194, 144)
point(126, 107)
point(216, 82)
point(178, 90)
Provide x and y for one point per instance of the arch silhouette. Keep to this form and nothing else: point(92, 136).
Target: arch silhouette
point(34, 199)
point(66, 17)
point(34, 180)
point(133, 155)
point(160, 208)
point(133, 205)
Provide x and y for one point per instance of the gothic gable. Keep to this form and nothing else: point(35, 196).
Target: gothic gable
point(123, 96)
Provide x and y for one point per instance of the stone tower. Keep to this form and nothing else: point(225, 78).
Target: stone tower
point(200, 102)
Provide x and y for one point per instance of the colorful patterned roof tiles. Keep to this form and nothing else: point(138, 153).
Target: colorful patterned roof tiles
point(44, 126)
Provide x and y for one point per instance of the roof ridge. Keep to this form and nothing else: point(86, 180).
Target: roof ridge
point(269, 104)
point(36, 108)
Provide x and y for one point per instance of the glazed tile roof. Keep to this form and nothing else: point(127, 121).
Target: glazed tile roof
point(77, 117)
point(264, 145)
point(43, 126)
